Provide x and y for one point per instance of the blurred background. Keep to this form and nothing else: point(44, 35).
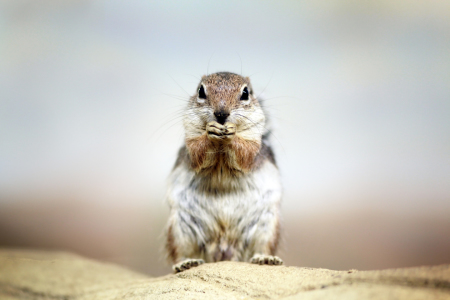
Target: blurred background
point(91, 94)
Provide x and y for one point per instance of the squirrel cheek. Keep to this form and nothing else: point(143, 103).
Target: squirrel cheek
point(245, 152)
point(197, 148)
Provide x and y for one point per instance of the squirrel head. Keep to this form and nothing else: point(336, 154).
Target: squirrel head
point(225, 97)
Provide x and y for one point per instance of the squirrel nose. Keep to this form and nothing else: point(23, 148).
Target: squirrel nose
point(221, 116)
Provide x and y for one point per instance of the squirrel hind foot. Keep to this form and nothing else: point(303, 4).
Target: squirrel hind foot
point(187, 264)
point(262, 259)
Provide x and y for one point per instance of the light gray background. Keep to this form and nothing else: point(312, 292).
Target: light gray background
point(91, 94)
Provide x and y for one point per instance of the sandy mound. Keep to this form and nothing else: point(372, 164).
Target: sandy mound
point(47, 275)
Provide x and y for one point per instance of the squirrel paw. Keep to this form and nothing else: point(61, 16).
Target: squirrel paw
point(187, 264)
point(220, 132)
point(262, 259)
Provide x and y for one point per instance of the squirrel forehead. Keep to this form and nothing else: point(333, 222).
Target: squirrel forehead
point(224, 82)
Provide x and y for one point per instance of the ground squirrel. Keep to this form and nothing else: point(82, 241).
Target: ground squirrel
point(224, 190)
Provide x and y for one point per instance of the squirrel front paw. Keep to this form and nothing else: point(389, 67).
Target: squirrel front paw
point(219, 132)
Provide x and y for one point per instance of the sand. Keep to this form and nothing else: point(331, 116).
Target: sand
point(31, 274)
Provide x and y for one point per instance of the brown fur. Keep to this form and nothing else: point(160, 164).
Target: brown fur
point(238, 156)
point(198, 148)
point(222, 89)
point(170, 245)
point(222, 86)
point(242, 154)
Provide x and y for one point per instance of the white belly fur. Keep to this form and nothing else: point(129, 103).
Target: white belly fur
point(245, 219)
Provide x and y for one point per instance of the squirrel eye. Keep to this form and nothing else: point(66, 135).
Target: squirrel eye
point(201, 92)
point(244, 95)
